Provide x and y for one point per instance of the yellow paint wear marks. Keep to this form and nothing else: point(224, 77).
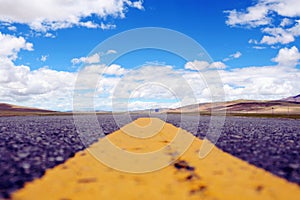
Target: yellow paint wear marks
point(217, 176)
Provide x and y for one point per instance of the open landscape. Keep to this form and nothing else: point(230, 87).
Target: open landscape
point(35, 140)
point(150, 100)
point(14, 110)
point(285, 108)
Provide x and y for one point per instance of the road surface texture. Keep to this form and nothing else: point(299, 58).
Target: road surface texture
point(268, 143)
point(30, 145)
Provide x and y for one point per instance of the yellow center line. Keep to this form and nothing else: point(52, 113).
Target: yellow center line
point(217, 176)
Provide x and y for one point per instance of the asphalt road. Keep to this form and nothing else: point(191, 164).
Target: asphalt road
point(30, 145)
point(269, 143)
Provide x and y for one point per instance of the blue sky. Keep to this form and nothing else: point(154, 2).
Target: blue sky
point(254, 43)
point(202, 20)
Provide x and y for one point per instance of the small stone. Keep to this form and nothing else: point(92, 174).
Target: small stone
point(59, 158)
point(51, 159)
point(294, 166)
point(26, 165)
point(23, 154)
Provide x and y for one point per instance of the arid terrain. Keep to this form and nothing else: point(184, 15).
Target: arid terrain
point(287, 107)
point(284, 107)
point(14, 110)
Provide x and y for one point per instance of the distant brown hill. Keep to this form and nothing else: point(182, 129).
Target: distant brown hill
point(292, 99)
point(289, 105)
point(12, 110)
point(286, 106)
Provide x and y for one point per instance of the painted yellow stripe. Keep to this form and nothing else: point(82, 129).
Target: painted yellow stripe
point(217, 176)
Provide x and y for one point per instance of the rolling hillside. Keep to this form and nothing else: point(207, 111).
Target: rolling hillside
point(292, 99)
point(13, 110)
point(286, 106)
point(290, 105)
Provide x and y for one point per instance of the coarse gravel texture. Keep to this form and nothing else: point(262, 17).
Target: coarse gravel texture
point(269, 143)
point(30, 145)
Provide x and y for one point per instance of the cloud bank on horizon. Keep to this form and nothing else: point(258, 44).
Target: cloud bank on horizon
point(277, 20)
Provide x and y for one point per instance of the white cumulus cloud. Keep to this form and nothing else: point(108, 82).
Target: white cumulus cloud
point(44, 58)
point(235, 55)
point(107, 26)
point(264, 14)
point(286, 22)
point(11, 45)
point(260, 13)
point(19, 84)
point(253, 16)
point(217, 65)
point(95, 58)
point(288, 57)
point(281, 35)
point(148, 86)
point(277, 35)
point(203, 65)
point(114, 70)
point(56, 14)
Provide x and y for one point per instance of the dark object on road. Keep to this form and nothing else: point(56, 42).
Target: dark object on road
point(181, 164)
